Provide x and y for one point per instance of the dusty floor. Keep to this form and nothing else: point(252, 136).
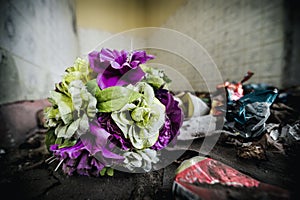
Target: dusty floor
point(25, 175)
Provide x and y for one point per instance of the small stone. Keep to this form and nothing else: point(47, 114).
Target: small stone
point(2, 151)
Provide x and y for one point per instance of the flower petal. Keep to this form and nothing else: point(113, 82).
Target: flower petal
point(95, 63)
point(113, 77)
point(173, 122)
point(106, 55)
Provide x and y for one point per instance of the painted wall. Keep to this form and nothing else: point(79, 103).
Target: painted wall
point(98, 20)
point(292, 25)
point(119, 15)
point(38, 40)
point(238, 35)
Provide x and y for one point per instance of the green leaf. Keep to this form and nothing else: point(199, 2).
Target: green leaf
point(110, 171)
point(114, 98)
point(50, 138)
point(58, 141)
point(93, 87)
point(102, 172)
point(67, 143)
point(67, 131)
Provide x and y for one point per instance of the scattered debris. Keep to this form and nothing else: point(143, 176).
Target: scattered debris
point(197, 127)
point(281, 136)
point(235, 89)
point(252, 151)
point(192, 105)
point(205, 178)
point(261, 123)
point(248, 115)
point(2, 151)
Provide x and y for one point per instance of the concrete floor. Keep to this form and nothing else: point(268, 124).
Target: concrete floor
point(25, 175)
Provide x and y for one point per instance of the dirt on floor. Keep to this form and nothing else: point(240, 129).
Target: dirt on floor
point(26, 175)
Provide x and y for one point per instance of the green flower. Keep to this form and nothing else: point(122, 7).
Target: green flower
point(72, 104)
point(155, 77)
point(70, 113)
point(142, 159)
point(141, 120)
point(79, 71)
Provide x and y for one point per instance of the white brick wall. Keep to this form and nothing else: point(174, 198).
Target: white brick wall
point(239, 35)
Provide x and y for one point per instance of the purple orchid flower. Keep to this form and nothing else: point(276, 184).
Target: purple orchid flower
point(117, 68)
point(173, 122)
point(77, 160)
point(89, 155)
point(116, 135)
point(97, 144)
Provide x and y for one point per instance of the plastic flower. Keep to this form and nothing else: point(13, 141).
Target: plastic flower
point(118, 68)
point(91, 154)
point(70, 113)
point(142, 159)
point(173, 121)
point(79, 71)
point(112, 111)
point(71, 103)
point(141, 120)
point(60, 98)
point(116, 136)
point(155, 77)
point(76, 159)
point(98, 145)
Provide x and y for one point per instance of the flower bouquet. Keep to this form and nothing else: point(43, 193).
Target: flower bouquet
point(111, 111)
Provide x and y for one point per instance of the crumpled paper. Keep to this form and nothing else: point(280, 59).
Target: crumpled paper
point(198, 122)
point(205, 178)
point(248, 115)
